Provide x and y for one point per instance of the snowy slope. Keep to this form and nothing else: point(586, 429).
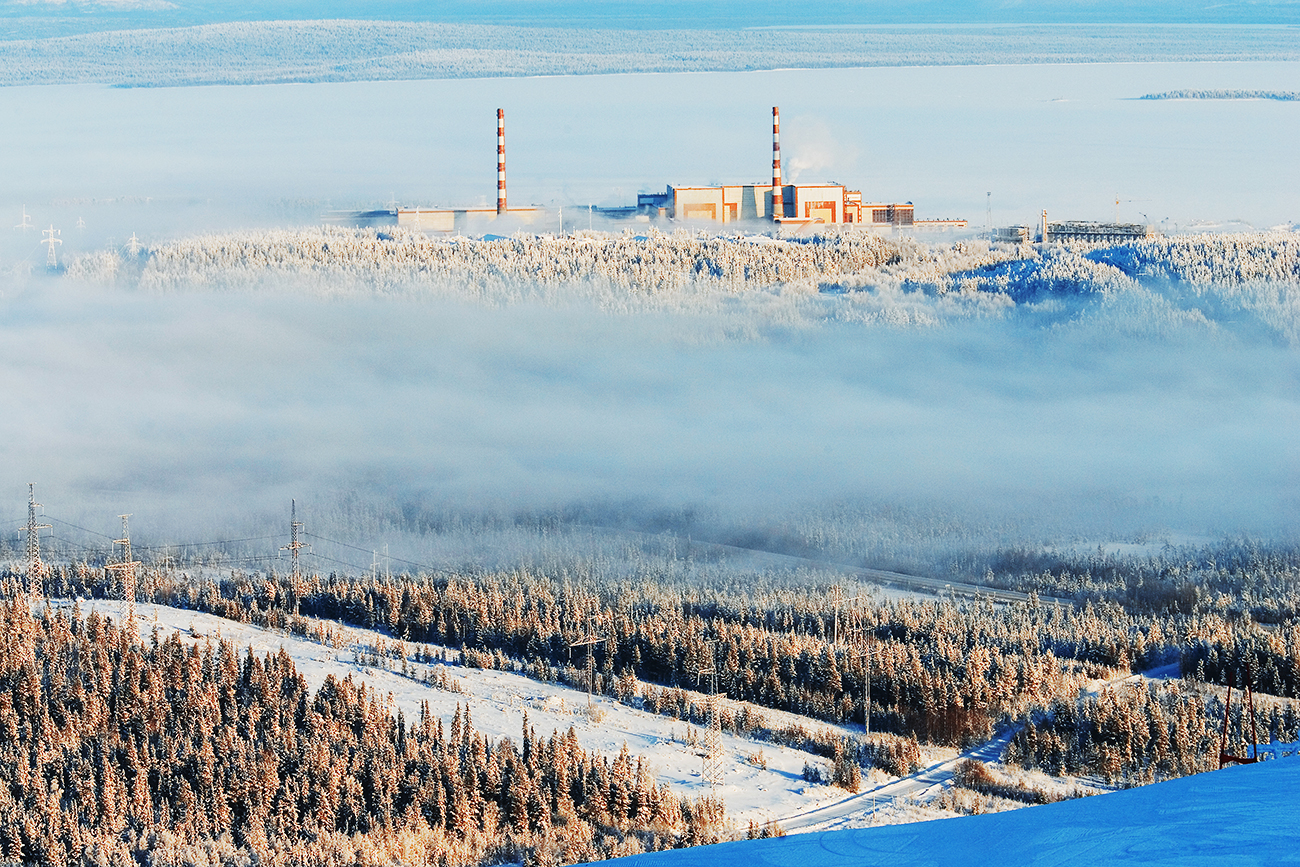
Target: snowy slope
point(1237, 816)
point(498, 701)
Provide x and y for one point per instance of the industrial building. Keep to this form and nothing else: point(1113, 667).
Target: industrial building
point(794, 205)
point(831, 204)
point(467, 219)
point(1101, 233)
point(806, 204)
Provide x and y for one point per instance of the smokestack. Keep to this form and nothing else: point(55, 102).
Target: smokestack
point(501, 161)
point(778, 203)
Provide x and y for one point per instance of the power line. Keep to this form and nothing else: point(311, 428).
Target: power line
point(424, 566)
point(75, 527)
point(333, 560)
point(202, 544)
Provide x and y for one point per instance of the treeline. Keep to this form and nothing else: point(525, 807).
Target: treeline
point(400, 260)
point(1267, 661)
point(938, 672)
point(118, 752)
point(1234, 579)
point(1137, 735)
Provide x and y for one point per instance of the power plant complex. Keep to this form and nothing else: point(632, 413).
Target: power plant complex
point(792, 205)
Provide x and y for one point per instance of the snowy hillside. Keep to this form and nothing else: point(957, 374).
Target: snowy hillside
point(1239, 815)
point(762, 780)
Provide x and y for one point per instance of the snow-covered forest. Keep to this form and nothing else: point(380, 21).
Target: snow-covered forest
point(197, 751)
point(1219, 277)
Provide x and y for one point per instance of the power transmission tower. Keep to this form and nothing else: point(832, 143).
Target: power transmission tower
point(713, 770)
point(864, 652)
point(27, 221)
point(591, 663)
point(133, 245)
point(81, 224)
point(51, 237)
point(35, 568)
point(374, 565)
point(295, 545)
point(126, 569)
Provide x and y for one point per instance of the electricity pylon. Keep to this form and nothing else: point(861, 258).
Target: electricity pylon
point(51, 237)
point(589, 643)
point(713, 769)
point(864, 653)
point(27, 221)
point(126, 569)
point(35, 568)
point(295, 545)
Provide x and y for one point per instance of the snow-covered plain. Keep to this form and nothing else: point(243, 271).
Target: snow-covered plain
point(265, 52)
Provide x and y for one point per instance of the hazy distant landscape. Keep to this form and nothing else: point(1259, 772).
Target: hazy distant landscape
point(564, 540)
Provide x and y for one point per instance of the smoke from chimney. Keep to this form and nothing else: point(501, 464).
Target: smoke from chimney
point(501, 161)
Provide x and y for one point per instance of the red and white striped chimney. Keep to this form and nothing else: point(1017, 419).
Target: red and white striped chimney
point(501, 161)
point(778, 203)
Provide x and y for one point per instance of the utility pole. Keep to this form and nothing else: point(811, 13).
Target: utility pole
point(126, 568)
point(35, 568)
point(295, 545)
point(837, 599)
point(51, 238)
point(591, 663)
point(713, 772)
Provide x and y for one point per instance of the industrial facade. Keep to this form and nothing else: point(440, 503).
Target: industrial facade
point(796, 205)
point(830, 204)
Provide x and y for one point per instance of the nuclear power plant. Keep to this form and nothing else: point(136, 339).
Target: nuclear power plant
point(785, 205)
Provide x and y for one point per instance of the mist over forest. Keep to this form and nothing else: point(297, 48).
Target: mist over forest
point(1092, 406)
point(310, 519)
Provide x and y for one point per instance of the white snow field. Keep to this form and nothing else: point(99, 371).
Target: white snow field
point(1237, 816)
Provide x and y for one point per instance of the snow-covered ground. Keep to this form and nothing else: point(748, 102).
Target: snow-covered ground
point(1240, 815)
point(498, 701)
point(268, 52)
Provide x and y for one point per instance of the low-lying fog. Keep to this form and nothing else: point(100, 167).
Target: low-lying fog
point(212, 411)
point(207, 411)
